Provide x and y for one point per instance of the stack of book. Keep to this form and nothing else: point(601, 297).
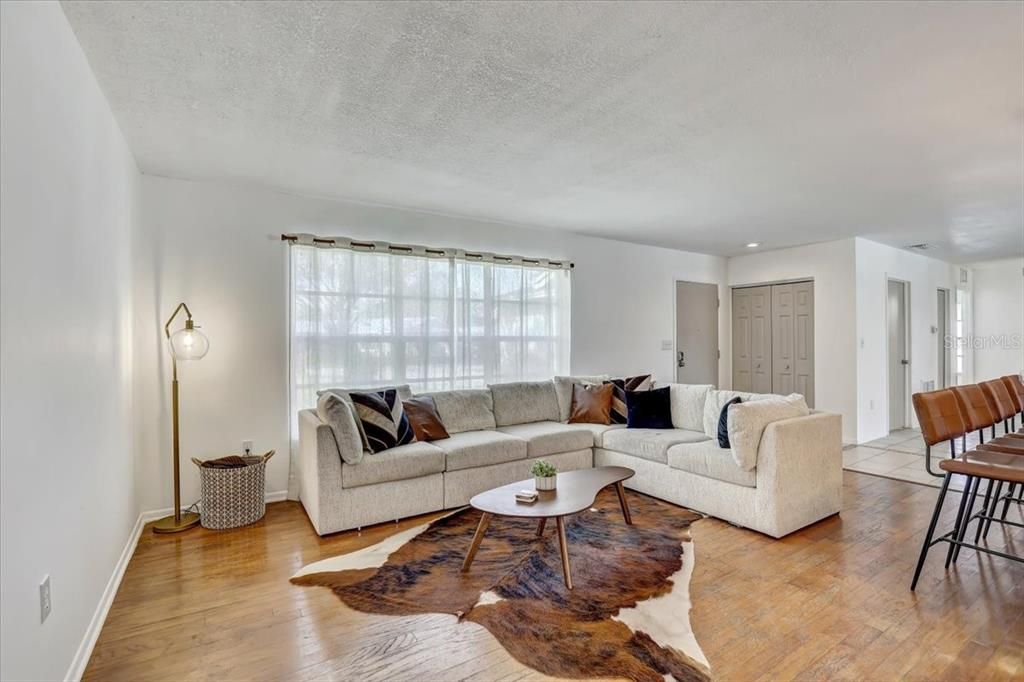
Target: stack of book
point(526, 496)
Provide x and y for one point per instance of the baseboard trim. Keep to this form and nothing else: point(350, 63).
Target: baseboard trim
point(99, 617)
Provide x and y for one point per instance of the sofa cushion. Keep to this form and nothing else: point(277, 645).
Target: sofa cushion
point(550, 438)
point(471, 449)
point(397, 464)
point(648, 409)
point(688, 405)
point(337, 414)
point(708, 460)
point(382, 420)
point(652, 444)
point(563, 391)
point(522, 402)
point(638, 383)
point(591, 404)
point(597, 430)
point(716, 400)
point(465, 410)
point(747, 422)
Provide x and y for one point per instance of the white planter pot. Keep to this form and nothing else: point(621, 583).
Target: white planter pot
point(545, 482)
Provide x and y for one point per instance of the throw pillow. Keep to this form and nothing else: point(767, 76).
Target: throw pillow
point(748, 422)
point(591, 404)
point(650, 409)
point(383, 421)
point(620, 414)
point(337, 414)
point(723, 423)
point(423, 418)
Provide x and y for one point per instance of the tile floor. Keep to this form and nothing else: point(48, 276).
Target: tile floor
point(900, 455)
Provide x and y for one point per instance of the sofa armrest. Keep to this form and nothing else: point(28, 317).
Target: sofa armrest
point(800, 470)
point(319, 467)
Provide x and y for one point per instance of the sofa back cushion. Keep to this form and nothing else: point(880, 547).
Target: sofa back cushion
point(337, 414)
point(563, 391)
point(523, 402)
point(748, 420)
point(688, 405)
point(465, 410)
point(716, 400)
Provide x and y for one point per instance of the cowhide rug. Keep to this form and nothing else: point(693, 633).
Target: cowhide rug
point(628, 616)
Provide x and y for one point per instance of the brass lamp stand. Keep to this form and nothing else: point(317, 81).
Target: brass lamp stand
point(187, 343)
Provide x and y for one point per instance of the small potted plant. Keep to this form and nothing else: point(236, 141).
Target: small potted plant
point(544, 475)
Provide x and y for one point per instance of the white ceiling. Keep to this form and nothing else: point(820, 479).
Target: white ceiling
point(700, 126)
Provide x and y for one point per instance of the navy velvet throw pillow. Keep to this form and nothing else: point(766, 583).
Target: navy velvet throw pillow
point(723, 424)
point(649, 409)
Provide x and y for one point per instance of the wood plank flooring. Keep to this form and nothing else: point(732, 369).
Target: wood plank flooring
point(830, 602)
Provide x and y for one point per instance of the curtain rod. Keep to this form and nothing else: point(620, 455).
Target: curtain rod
point(425, 251)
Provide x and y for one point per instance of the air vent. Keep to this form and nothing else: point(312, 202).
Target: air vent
point(919, 247)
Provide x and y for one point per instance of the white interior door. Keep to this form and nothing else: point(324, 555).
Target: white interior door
point(899, 360)
point(696, 333)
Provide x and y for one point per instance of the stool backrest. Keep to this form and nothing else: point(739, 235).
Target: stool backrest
point(1015, 387)
point(998, 398)
point(974, 407)
point(939, 416)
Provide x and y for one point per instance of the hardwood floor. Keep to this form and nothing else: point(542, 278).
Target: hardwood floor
point(830, 602)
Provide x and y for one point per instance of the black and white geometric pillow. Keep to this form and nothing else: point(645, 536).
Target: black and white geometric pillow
point(382, 420)
point(640, 383)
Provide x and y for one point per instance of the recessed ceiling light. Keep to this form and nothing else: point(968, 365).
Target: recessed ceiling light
point(753, 245)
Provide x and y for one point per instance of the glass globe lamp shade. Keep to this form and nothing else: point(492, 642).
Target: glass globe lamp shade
point(189, 344)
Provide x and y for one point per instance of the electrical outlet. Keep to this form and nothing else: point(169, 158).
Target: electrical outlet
point(45, 603)
point(247, 447)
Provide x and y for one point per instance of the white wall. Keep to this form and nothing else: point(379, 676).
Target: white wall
point(67, 188)
point(876, 264)
point(998, 302)
point(217, 247)
point(831, 266)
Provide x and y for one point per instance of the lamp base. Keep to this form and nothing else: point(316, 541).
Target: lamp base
point(169, 525)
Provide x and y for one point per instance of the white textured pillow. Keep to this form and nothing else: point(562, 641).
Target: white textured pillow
point(687, 404)
point(336, 412)
point(748, 420)
point(716, 400)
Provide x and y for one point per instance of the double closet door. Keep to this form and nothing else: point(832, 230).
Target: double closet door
point(773, 339)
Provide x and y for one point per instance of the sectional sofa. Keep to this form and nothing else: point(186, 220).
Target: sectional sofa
point(498, 432)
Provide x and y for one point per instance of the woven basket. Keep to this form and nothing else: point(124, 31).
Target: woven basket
point(233, 497)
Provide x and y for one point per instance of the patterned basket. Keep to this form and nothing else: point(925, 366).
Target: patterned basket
point(233, 497)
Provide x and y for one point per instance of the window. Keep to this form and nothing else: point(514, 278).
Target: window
point(959, 336)
point(365, 318)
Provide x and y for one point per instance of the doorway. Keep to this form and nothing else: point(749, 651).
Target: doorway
point(943, 376)
point(897, 314)
point(696, 314)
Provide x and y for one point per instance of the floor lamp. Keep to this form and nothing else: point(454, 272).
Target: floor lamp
point(187, 343)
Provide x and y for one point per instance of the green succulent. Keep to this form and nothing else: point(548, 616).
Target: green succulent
point(543, 469)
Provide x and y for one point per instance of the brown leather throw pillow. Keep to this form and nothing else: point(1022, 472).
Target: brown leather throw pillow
point(591, 404)
point(423, 418)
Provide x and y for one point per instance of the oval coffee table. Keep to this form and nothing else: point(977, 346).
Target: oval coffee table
point(576, 492)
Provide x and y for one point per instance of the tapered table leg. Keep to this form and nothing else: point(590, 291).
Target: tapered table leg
point(622, 502)
point(540, 527)
point(481, 528)
point(563, 545)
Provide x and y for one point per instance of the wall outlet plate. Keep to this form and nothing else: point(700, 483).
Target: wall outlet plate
point(247, 447)
point(45, 600)
point(666, 344)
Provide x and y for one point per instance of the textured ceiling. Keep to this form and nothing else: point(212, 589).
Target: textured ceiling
point(700, 126)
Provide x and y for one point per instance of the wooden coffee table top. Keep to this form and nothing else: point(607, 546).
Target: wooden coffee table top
point(576, 491)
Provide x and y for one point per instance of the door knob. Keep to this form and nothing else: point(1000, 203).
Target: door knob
point(787, 366)
point(904, 362)
point(681, 361)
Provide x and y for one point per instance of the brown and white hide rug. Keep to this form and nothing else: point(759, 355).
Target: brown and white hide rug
point(628, 616)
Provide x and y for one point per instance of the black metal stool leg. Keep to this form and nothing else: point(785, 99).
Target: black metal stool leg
point(984, 507)
point(967, 518)
point(988, 522)
point(931, 531)
point(1006, 502)
point(959, 520)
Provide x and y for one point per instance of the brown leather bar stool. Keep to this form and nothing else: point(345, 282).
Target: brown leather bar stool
point(1004, 405)
point(940, 418)
point(1015, 387)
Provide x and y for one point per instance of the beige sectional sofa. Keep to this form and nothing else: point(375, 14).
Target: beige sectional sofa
point(497, 433)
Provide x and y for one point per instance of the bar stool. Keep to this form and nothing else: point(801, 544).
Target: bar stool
point(940, 418)
point(1015, 387)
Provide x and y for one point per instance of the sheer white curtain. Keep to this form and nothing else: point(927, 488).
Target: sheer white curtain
point(368, 318)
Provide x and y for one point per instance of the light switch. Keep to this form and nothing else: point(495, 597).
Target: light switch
point(666, 344)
